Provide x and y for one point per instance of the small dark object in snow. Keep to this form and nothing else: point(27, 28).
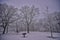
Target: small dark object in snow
point(24, 34)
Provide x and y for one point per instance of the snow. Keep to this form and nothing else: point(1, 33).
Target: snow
point(30, 36)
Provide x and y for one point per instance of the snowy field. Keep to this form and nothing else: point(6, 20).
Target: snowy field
point(30, 36)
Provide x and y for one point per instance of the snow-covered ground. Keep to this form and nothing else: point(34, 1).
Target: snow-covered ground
point(30, 36)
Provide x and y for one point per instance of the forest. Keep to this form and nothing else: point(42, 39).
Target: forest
point(25, 19)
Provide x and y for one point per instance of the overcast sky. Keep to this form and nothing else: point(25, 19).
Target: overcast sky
point(54, 5)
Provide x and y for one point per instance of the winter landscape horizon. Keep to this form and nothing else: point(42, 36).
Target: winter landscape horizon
point(29, 19)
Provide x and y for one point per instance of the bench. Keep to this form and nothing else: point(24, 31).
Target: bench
point(24, 34)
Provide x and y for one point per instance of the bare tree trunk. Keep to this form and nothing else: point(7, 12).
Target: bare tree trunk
point(7, 30)
point(51, 34)
point(17, 28)
point(33, 28)
point(4, 26)
point(27, 28)
point(51, 31)
point(4, 30)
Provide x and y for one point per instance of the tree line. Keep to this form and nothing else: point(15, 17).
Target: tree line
point(25, 18)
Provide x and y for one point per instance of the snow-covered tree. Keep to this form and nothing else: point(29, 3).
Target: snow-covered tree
point(28, 15)
point(7, 16)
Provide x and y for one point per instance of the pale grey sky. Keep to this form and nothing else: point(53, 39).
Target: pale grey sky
point(54, 5)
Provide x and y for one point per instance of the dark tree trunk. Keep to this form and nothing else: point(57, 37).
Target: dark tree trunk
point(17, 28)
point(51, 34)
point(7, 30)
point(27, 28)
point(51, 31)
point(4, 30)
